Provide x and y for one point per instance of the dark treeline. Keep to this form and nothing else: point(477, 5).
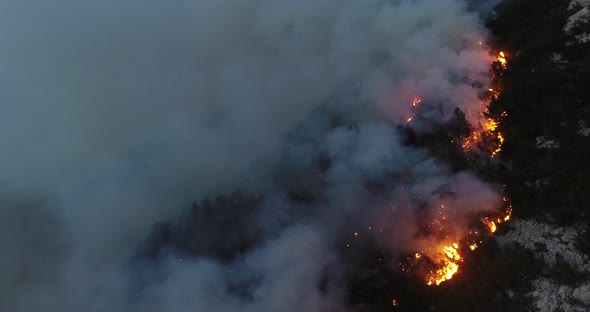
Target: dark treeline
point(546, 94)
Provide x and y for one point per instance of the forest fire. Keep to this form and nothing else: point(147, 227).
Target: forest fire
point(415, 103)
point(486, 136)
point(444, 258)
point(440, 263)
point(491, 225)
point(448, 265)
point(449, 268)
point(502, 59)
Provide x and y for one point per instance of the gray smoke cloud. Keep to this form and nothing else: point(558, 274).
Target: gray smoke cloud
point(123, 113)
point(485, 8)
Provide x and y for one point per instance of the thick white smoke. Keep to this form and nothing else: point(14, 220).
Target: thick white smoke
point(116, 115)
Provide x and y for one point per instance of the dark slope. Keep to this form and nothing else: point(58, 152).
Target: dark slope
point(546, 93)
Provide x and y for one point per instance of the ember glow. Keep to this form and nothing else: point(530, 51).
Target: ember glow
point(491, 225)
point(415, 103)
point(448, 264)
point(487, 131)
point(502, 59)
point(444, 258)
point(485, 136)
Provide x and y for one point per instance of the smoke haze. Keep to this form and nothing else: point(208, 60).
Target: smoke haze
point(116, 116)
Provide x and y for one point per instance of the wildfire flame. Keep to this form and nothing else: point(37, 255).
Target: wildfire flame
point(491, 225)
point(508, 214)
point(490, 126)
point(415, 103)
point(448, 265)
point(446, 258)
point(502, 59)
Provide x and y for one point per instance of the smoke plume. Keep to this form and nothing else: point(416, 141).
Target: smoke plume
point(118, 115)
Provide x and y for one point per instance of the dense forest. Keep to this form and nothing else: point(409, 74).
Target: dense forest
point(545, 93)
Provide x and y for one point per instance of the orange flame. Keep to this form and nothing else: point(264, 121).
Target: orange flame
point(508, 214)
point(447, 258)
point(415, 103)
point(485, 136)
point(448, 265)
point(502, 59)
point(492, 226)
point(490, 126)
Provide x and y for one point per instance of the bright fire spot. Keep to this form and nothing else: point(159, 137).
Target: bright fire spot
point(448, 266)
point(415, 103)
point(508, 214)
point(491, 225)
point(452, 253)
point(445, 260)
point(499, 148)
point(502, 59)
point(508, 210)
point(492, 125)
point(395, 302)
point(476, 137)
point(356, 234)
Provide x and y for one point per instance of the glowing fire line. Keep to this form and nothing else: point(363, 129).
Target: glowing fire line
point(489, 128)
point(447, 259)
point(415, 103)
